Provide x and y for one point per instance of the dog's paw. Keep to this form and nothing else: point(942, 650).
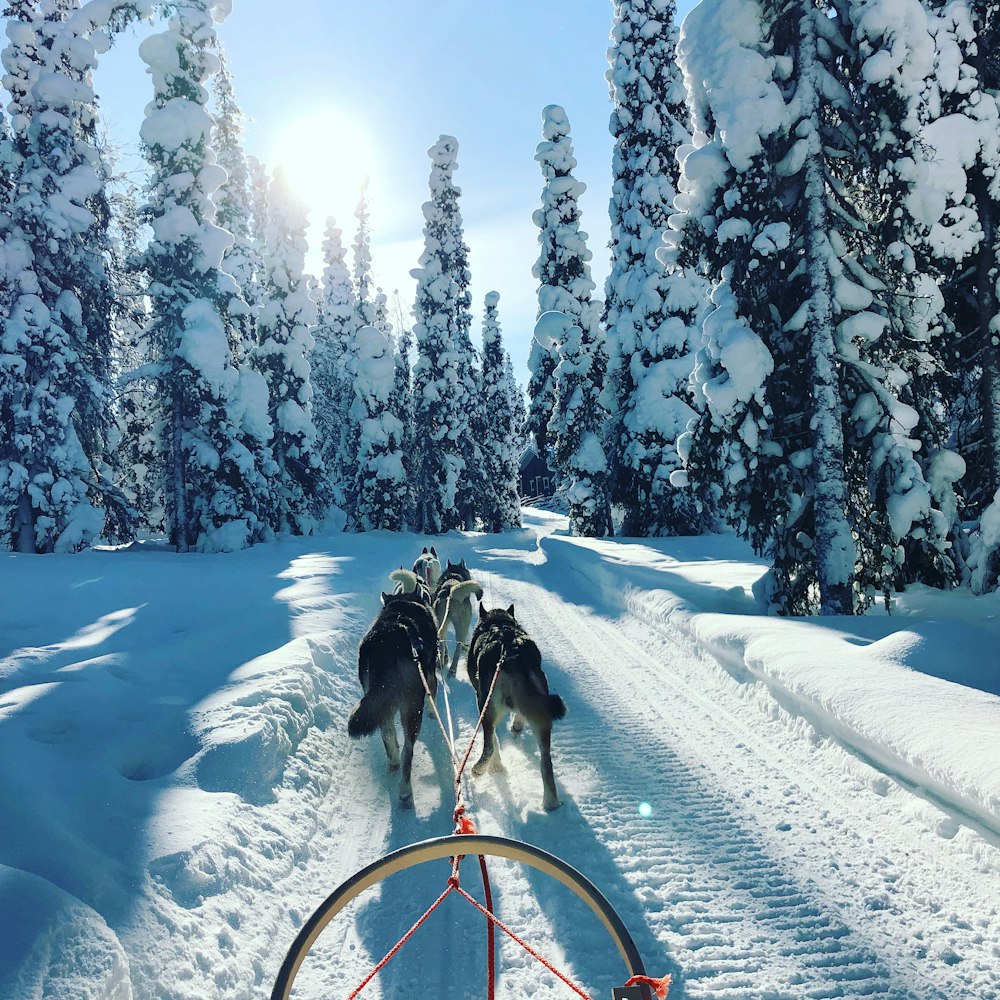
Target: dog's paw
point(551, 805)
point(516, 729)
point(393, 766)
point(406, 800)
point(480, 768)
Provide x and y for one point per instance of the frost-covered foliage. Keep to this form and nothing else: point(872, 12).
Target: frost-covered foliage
point(380, 476)
point(364, 285)
point(653, 313)
point(286, 316)
point(234, 209)
point(500, 502)
point(401, 406)
point(441, 399)
point(56, 422)
point(960, 223)
point(811, 363)
point(571, 376)
point(139, 463)
point(562, 268)
point(578, 422)
point(519, 408)
point(212, 421)
point(333, 393)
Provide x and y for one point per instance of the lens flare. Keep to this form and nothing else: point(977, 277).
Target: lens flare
point(645, 810)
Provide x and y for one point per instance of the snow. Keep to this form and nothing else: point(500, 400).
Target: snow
point(776, 807)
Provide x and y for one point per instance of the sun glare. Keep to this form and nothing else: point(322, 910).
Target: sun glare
point(326, 156)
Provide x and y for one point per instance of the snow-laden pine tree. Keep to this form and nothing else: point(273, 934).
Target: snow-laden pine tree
point(566, 287)
point(500, 503)
point(380, 474)
point(234, 208)
point(578, 423)
point(653, 313)
point(333, 393)
point(216, 492)
point(518, 406)
point(366, 310)
point(806, 368)
point(57, 489)
point(401, 405)
point(962, 138)
point(284, 322)
point(441, 403)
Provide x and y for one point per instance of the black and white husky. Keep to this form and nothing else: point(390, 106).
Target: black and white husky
point(452, 604)
point(403, 635)
point(500, 643)
point(427, 566)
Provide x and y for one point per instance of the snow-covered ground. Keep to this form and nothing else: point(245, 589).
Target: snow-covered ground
point(820, 799)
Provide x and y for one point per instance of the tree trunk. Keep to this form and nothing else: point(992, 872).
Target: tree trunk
point(25, 525)
point(835, 550)
point(179, 529)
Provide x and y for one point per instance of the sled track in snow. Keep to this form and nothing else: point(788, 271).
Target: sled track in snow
point(752, 885)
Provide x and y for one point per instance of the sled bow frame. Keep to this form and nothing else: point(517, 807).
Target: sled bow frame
point(461, 846)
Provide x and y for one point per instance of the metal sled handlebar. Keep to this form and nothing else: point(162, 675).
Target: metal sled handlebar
point(448, 847)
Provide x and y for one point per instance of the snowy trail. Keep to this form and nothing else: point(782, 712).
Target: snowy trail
point(775, 863)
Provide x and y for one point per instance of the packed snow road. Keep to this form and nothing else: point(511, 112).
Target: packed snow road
point(776, 809)
point(750, 854)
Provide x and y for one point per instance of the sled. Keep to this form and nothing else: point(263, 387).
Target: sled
point(457, 846)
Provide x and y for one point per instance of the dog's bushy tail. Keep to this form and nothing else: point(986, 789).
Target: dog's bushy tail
point(557, 707)
point(369, 713)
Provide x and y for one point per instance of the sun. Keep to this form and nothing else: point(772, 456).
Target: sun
point(327, 156)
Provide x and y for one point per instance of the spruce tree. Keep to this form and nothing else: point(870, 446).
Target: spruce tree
point(380, 483)
point(500, 503)
point(333, 393)
point(57, 489)
point(286, 316)
point(234, 208)
point(653, 314)
point(216, 493)
point(565, 287)
point(809, 426)
point(366, 311)
point(440, 406)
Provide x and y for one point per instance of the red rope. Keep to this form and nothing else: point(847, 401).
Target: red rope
point(452, 885)
point(527, 947)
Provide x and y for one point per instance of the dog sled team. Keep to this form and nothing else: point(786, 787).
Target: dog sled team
point(412, 629)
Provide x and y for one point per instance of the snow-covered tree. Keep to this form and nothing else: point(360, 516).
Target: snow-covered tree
point(962, 235)
point(286, 315)
point(234, 208)
point(566, 287)
point(216, 491)
point(333, 393)
point(518, 406)
point(578, 423)
point(380, 483)
point(441, 404)
point(500, 504)
point(366, 309)
point(653, 314)
point(57, 489)
point(807, 373)
point(401, 405)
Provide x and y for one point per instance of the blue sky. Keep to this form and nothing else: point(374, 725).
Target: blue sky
point(401, 73)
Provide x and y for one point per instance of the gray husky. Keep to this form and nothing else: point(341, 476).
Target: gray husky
point(500, 643)
point(452, 604)
point(403, 635)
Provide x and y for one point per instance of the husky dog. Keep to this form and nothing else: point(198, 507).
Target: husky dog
point(407, 582)
point(403, 635)
point(428, 567)
point(452, 604)
point(500, 643)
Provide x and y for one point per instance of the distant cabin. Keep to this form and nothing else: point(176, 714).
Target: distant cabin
point(537, 479)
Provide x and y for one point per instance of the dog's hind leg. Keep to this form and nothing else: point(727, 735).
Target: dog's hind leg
point(490, 757)
point(411, 715)
point(550, 800)
point(391, 742)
